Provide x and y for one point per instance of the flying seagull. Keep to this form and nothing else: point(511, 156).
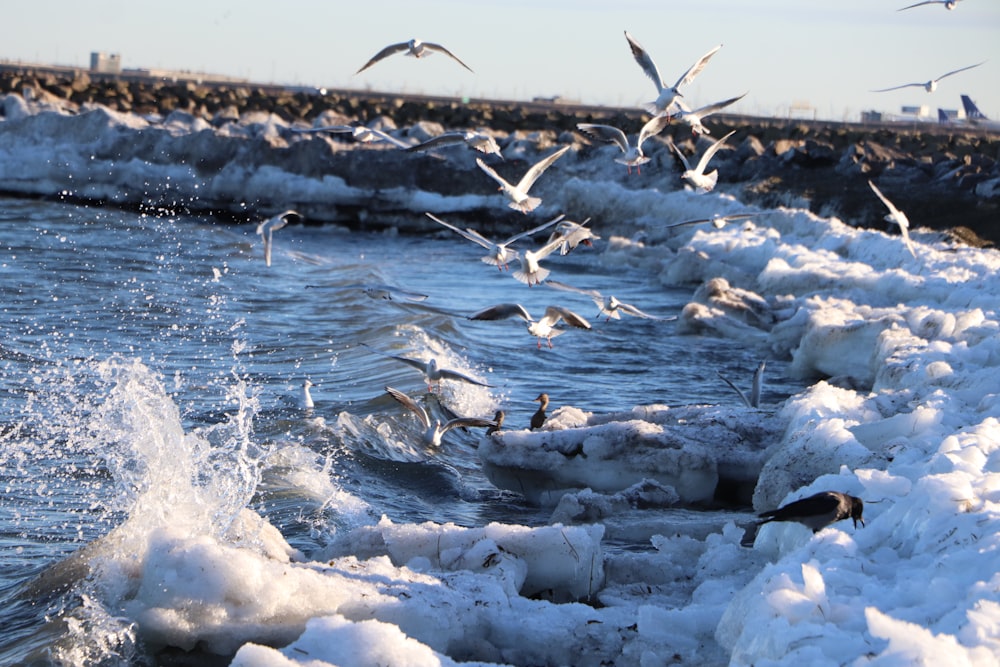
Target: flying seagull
point(518, 194)
point(531, 272)
point(434, 374)
point(719, 220)
point(929, 86)
point(267, 228)
point(358, 132)
point(479, 141)
point(499, 255)
point(634, 157)
point(819, 510)
point(609, 306)
point(897, 217)
point(574, 234)
point(433, 430)
point(415, 48)
point(694, 118)
point(666, 95)
point(697, 176)
point(543, 328)
point(948, 4)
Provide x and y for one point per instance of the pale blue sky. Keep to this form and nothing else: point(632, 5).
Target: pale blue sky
point(825, 53)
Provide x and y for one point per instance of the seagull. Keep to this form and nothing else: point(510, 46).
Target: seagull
point(896, 216)
point(538, 419)
point(360, 133)
point(718, 220)
point(518, 194)
point(574, 234)
point(697, 176)
point(948, 4)
point(267, 228)
point(499, 254)
point(434, 374)
point(608, 306)
point(531, 272)
point(414, 48)
point(819, 510)
point(434, 430)
point(929, 86)
point(543, 328)
point(634, 156)
point(382, 291)
point(666, 95)
point(480, 141)
point(694, 118)
point(306, 400)
point(755, 390)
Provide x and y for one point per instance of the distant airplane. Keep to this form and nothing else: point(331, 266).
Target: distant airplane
point(973, 116)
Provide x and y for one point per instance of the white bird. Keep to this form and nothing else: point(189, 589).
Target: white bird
point(531, 272)
point(573, 234)
point(359, 133)
point(666, 95)
point(755, 391)
point(929, 86)
point(897, 217)
point(479, 141)
point(948, 4)
point(609, 306)
point(267, 228)
point(499, 255)
point(719, 220)
point(518, 194)
point(306, 400)
point(415, 48)
point(434, 374)
point(634, 157)
point(697, 176)
point(694, 118)
point(433, 430)
point(543, 328)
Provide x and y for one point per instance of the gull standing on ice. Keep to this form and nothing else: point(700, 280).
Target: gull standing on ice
point(480, 141)
point(608, 306)
point(897, 217)
point(415, 48)
point(929, 86)
point(543, 328)
point(697, 176)
point(499, 254)
point(819, 510)
point(666, 95)
point(267, 228)
point(694, 118)
point(948, 4)
point(433, 430)
point(718, 220)
point(518, 194)
point(360, 133)
point(634, 156)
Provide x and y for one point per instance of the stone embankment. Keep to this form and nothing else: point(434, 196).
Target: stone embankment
point(948, 176)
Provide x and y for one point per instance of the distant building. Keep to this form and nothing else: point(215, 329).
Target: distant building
point(921, 111)
point(871, 116)
point(105, 63)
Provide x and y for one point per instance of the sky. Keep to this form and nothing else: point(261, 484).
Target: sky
point(815, 58)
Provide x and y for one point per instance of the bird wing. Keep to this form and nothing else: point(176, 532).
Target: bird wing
point(455, 375)
point(384, 53)
point(462, 422)
point(592, 293)
point(746, 401)
point(653, 127)
point(711, 151)
point(709, 109)
point(635, 312)
point(492, 174)
point(645, 62)
point(533, 230)
point(885, 200)
point(536, 169)
point(696, 69)
point(687, 165)
point(605, 133)
point(410, 404)
point(324, 128)
point(469, 234)
point(905, 85)
point(555, 313)
point(441, 49)
point(502, 311)
point(446, 139)
point(550, 247)
point(391, 139)
point(960, 69)
point(926, 2)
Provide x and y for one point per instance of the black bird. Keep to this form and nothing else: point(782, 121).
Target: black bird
point(538, 418)
point(819, 510)
point(498, 418)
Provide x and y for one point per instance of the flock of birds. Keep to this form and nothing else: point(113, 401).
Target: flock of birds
point(816, 511)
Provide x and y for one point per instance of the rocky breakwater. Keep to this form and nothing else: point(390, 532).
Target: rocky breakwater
point(224, 149)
